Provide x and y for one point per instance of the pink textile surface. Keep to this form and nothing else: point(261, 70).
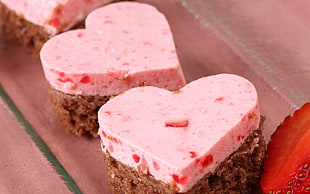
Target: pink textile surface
point(265, 41)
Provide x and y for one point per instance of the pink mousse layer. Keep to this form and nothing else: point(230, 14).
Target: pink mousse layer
point(124, 45)
point(180, 136)
point(54, 15)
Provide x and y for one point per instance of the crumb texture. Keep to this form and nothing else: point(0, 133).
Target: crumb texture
point(77, 114)
point(239, 173)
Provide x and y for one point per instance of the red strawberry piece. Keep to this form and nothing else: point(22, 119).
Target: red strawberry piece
point(156, 166)
point(136, 158)
point(177, 123)
point(65, 80)
point(193, 154)
point(180, 180)
point(207, 161)
point(85, 80)
point(55, 22)
point(287, 166)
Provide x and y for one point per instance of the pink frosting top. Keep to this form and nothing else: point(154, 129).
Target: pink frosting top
point(180, 136)
point(54, 15)
point(124, 45)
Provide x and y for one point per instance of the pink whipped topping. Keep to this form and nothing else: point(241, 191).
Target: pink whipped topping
point(180, 136)
point(54, 15)
point(124, 45)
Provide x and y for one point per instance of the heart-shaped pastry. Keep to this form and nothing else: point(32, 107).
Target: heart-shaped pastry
point(180, 136)
point(124, 45)
point(32, 23)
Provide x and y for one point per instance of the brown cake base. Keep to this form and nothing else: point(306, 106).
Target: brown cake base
point(239, 173)
point(77, 114)
point(16, 29)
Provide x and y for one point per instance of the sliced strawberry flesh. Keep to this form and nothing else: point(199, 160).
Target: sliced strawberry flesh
point(287, 154)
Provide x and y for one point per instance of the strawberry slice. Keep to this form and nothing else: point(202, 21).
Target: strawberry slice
point(287, 166)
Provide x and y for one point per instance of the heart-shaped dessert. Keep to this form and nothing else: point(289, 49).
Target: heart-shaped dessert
point(32, 23)
point(179, 137)
point(124, 45)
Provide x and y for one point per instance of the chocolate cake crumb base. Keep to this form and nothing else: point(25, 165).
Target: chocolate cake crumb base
point(239, 173)
point(77, 114)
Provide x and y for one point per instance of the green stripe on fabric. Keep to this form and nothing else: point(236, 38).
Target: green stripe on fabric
point(40, 144)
